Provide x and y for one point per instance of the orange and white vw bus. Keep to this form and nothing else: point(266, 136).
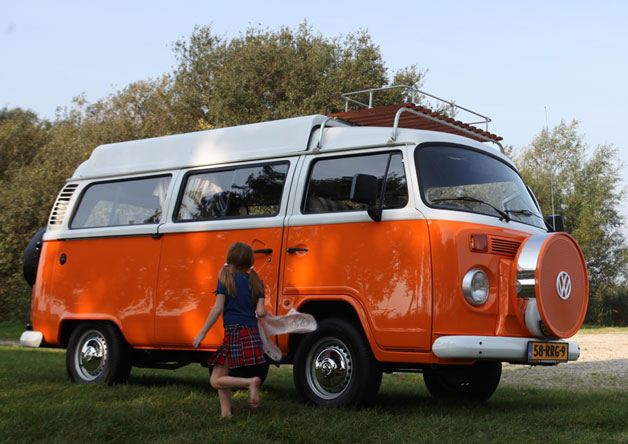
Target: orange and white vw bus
point(413, 241)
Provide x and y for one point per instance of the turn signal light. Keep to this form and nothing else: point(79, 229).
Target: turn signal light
point(479, 243)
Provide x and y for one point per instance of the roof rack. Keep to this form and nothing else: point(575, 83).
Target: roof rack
point(412, 115)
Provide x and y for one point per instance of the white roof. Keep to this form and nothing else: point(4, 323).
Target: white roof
point(263, 140)
point(244, 142)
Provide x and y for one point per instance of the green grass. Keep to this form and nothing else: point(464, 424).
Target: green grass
point(11, 330)
point(39, 404)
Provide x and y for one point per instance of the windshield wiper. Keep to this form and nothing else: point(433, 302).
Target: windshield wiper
point(473, 199)
point(524, 213)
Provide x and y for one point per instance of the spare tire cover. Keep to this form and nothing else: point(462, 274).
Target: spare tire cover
point(551, 270)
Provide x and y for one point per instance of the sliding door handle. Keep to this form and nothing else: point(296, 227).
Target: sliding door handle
point(263, 251)
point(293, 250)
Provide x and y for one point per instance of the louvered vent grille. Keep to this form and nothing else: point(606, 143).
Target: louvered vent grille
point(61, 205)
point(504, 247)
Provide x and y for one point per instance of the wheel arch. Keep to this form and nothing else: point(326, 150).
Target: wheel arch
point(323, 308)
point(67, 326)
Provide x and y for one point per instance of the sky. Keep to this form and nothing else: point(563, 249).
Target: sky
point(524, 64)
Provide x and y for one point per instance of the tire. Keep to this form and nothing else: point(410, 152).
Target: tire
point(476, 382)
point(334, 366)
point(98, 353)
point(30, 261)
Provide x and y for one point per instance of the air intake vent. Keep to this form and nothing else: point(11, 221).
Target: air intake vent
point(61, 206)
point(504, 247)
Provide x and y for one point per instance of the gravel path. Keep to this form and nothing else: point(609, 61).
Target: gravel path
point(603, 363)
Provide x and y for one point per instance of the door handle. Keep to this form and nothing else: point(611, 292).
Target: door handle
point(263, 251)
point(292, 250)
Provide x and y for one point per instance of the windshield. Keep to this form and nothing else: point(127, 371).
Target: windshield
point(466, 180)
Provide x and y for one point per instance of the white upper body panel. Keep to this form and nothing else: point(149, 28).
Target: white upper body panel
point(248, 142)
point(211, 147)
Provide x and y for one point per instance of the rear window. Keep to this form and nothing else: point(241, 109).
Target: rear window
point(124, 202)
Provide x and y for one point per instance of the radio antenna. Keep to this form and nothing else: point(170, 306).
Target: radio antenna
point(551, 171)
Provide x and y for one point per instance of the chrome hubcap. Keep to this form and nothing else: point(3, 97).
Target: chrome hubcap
point(92, 354)
point(329, 368)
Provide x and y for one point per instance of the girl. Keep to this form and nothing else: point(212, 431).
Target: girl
point(239, 297)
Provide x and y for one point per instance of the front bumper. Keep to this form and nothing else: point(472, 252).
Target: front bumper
point(491, 347)
point(31, 338)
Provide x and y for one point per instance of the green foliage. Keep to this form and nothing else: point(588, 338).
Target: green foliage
point(21, 135)
point(586, 192)
point(266, 75)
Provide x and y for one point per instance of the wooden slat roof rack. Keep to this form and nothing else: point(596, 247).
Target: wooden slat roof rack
point(412, 115)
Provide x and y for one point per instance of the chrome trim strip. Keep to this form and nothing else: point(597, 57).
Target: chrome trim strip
point(527, 264)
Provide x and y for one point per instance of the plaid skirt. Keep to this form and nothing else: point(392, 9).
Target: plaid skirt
point(241, 347)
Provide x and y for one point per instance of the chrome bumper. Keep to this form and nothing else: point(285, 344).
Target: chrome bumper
point(31, 338)
point(491, 347)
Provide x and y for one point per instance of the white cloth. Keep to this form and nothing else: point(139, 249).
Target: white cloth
point(291, 322)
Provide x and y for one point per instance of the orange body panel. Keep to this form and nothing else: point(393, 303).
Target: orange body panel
point(160, 291)
point(102, 278)
point(453, 315)
point(383, 268)
point(46, 309)
point(189, 274)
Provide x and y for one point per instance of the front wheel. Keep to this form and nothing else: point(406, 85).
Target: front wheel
point(96, 353)
point(334, 366)
point(475, 382)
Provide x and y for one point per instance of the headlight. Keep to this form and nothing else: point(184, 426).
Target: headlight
point(475, 287)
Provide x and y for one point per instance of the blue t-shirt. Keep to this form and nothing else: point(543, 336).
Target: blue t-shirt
point(238, 308)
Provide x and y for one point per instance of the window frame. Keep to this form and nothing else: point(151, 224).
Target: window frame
point(187, 174)
point(85, 189)
point(422, 146)
point(314, 161)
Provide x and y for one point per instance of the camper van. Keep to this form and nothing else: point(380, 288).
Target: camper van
point(409, 236)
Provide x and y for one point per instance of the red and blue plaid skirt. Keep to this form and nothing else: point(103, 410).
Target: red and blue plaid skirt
point(242, 347)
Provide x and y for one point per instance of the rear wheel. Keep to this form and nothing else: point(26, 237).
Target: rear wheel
point(334, 366)
point(97, 353)
point(475, 382)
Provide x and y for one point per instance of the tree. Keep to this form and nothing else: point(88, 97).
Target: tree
point(266, 75)
point(586, 192)
point(22, 134)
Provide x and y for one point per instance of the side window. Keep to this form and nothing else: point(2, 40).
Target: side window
point(329, 185)
point(124, 202)
point(251, 191)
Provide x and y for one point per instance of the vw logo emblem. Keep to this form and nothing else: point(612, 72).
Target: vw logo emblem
point(563, 285)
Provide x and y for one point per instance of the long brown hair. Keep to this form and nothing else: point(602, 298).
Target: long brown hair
point(240, 259)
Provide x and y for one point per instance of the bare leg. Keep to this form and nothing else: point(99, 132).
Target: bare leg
point(221, 380)
point(254, 392)
point(225, 402)
point(224, 394)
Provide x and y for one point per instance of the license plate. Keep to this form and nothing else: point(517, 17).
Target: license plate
point(544, 352)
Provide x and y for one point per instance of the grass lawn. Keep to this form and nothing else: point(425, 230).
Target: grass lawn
point(39, 404)
point(11, 330)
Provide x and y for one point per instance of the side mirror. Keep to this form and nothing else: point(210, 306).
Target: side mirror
point(555, 222)
point(364, 191)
